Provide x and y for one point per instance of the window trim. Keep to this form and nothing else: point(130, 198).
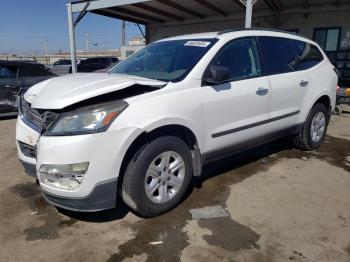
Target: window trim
point(340, 28)
point(260, 56)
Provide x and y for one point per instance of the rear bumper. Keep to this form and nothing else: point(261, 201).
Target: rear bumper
point(102, 197)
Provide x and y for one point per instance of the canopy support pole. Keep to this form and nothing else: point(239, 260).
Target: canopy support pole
point(248, 14)
point(72, 37)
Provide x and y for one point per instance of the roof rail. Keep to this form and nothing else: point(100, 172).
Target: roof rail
point(255, 29)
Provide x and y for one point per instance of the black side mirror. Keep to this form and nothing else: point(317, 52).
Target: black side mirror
point(218, 75)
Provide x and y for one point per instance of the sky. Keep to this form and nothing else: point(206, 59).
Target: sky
point(25, 25)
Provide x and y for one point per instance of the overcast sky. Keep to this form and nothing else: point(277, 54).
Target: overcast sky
point(26, 24)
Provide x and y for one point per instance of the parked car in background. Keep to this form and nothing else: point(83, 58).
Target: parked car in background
point(16, 76)
point(61, 67)
point(106, 70)
point(34, 63)
point(96, 63)
point(148, 126)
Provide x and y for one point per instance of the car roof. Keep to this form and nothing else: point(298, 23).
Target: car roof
point(239, 32)
point(206, 35)
point(100, 57)
point(18, 63)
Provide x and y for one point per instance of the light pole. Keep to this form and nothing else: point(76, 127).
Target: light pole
point(123, 33)
point(86, 41)
point(45, 51)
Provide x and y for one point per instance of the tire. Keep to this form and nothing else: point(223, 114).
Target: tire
point(148, 169)
point(304, 140)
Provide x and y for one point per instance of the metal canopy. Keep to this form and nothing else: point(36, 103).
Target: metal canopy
point(177, 12)
point(160, 11)
point(165, 11)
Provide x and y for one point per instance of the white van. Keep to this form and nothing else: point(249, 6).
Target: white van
point(150, 124)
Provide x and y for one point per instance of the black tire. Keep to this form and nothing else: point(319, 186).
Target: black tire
point(303, 140)
point(133, 186)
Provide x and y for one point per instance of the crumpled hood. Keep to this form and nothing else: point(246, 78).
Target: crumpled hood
point(59, 92)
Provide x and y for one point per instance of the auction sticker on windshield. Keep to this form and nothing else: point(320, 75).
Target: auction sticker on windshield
point(197, 43)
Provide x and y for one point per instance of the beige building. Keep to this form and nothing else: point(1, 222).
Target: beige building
point(135, 44)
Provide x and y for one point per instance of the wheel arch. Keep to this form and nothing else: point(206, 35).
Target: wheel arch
point(181, 131)
point(323, 98)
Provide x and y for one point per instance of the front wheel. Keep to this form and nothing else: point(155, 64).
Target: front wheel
point(314, 128)
point(158, 176)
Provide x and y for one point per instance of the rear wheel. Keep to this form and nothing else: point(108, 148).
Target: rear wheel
point(157, 176)
point(314, 129)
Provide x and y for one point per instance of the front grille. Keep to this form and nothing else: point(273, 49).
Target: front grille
point(31, 115)
point(38, 119)
point(27, 150)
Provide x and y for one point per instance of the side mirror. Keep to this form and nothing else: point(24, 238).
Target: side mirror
point(217, 75)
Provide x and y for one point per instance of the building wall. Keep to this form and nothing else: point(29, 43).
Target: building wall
point(125, 51)
point(305, 20)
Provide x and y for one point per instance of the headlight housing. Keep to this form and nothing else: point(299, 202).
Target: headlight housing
point(87, 120)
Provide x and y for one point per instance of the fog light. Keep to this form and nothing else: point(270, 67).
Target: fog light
point(63, 176)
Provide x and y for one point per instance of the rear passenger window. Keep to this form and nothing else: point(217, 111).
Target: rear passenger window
point(241, 58)
point(279, 53)
point(308, 55)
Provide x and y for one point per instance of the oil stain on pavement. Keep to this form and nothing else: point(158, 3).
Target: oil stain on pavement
point(213, 189)
point(52, 220)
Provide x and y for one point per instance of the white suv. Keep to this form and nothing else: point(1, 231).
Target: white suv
point(150, 124)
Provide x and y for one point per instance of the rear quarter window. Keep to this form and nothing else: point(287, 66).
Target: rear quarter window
point(308, 55)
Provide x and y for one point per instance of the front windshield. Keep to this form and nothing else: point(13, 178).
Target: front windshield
point(167, 60)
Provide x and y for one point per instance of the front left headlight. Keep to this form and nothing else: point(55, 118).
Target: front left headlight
point(87, 120)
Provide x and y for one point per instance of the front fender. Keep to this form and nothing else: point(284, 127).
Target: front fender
point(176, 121)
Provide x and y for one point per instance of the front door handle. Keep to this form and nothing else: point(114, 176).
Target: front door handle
point(303, 83)
point(262, 91)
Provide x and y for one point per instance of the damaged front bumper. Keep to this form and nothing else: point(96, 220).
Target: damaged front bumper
point(102, 197)
point(104, 152)
point(29, 168)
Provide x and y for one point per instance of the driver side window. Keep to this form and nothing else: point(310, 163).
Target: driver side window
point(241, 58)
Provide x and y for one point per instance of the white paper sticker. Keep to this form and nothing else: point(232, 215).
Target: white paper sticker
point(197, 43)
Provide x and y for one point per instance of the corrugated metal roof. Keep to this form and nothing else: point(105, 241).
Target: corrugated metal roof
point(162, 11)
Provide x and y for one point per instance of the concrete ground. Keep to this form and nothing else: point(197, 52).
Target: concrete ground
point(284, 205)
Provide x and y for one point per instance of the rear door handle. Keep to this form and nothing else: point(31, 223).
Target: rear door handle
point(303, 83)
point(262, 91)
